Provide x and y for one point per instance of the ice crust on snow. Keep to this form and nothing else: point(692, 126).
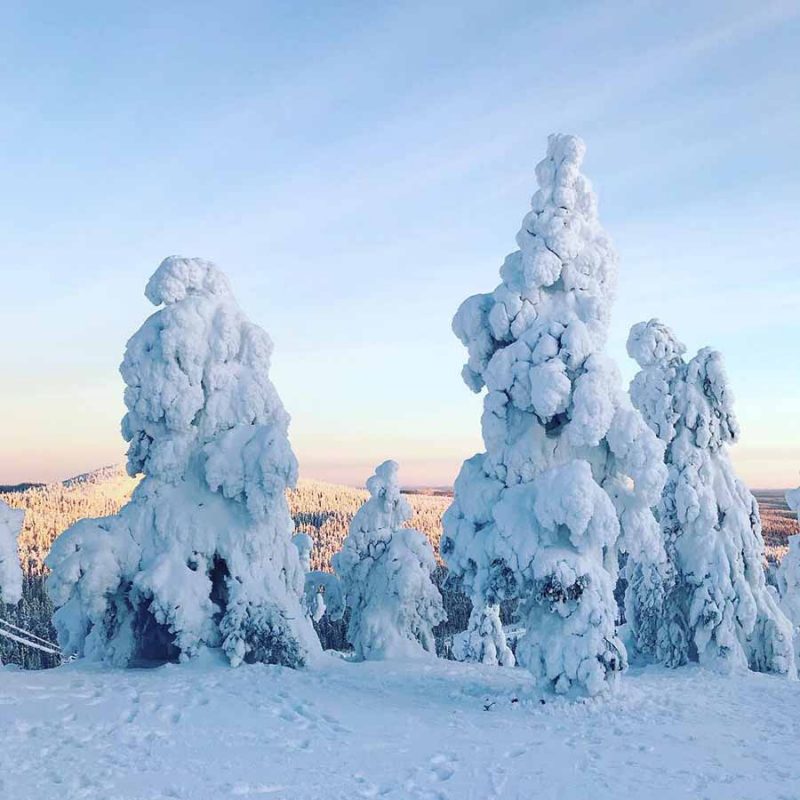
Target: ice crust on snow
point(385, 573)
point(717, 607)
point(571, 470)
point(202, 554)
point(10, 570)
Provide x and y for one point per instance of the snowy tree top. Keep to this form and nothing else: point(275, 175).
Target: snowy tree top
point(669, 388)
point(386, 507)
point(196, 368)
point(177, 277)
point(652, 342)
point(557, 289)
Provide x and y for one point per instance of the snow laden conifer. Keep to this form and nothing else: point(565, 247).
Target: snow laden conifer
point(789, 576)
point(202, 554)
point(10, 570)
point(322, 591)
point(717, 608)
point(385, 573)
point(570, 470)
point(484, 639)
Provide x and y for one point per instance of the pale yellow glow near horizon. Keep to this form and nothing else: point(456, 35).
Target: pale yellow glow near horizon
point(61, 432)
point(44, 461)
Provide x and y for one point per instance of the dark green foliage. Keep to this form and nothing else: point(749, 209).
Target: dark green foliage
point(33, 613)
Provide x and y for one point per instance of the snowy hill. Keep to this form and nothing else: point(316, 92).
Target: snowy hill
point(442, 730)
point(322, 509)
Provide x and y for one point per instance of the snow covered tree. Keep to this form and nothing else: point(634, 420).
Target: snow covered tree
point(385, 572)
point(322, 591)
point(484, 639)
point(323, 595)
point(789, 589)
point(304, 544)
point(789, 576)
point(10, 570)
point(717, 608)
point(570, 470)
point(202, 554)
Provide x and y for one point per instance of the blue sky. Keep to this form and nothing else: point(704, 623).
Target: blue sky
point(358, 169)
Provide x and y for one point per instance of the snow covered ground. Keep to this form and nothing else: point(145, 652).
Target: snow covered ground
point(393, 730)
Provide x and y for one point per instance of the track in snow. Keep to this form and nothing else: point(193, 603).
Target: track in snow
point(401, 730)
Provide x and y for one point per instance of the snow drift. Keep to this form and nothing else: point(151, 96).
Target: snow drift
point(202, 554)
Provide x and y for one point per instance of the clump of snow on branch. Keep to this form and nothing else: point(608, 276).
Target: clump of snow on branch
point(10, 570)
point(571, 470)
point(385, 572)
point(202, 554)
point(717, 607)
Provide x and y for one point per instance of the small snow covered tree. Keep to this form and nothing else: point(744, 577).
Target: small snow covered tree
point(322, 592)
point(484, 639)
point(323, 595)
point(570, 470)
point(717, 608)
point(10, 570)
point(202, 554)
point(385, 572)
point(304, 544)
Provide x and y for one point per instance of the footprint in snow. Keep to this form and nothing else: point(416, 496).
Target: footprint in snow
point(443, 766)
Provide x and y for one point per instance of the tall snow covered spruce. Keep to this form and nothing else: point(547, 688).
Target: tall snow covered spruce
point(717, 609)
point(202, 554)
point(385, 573)
point(10, 570)
point(571, 470)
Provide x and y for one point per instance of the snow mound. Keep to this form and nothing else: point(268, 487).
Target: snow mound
point(571, 470)
point(202, 554)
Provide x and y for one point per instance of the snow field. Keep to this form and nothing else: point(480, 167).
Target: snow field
point(404, 729)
